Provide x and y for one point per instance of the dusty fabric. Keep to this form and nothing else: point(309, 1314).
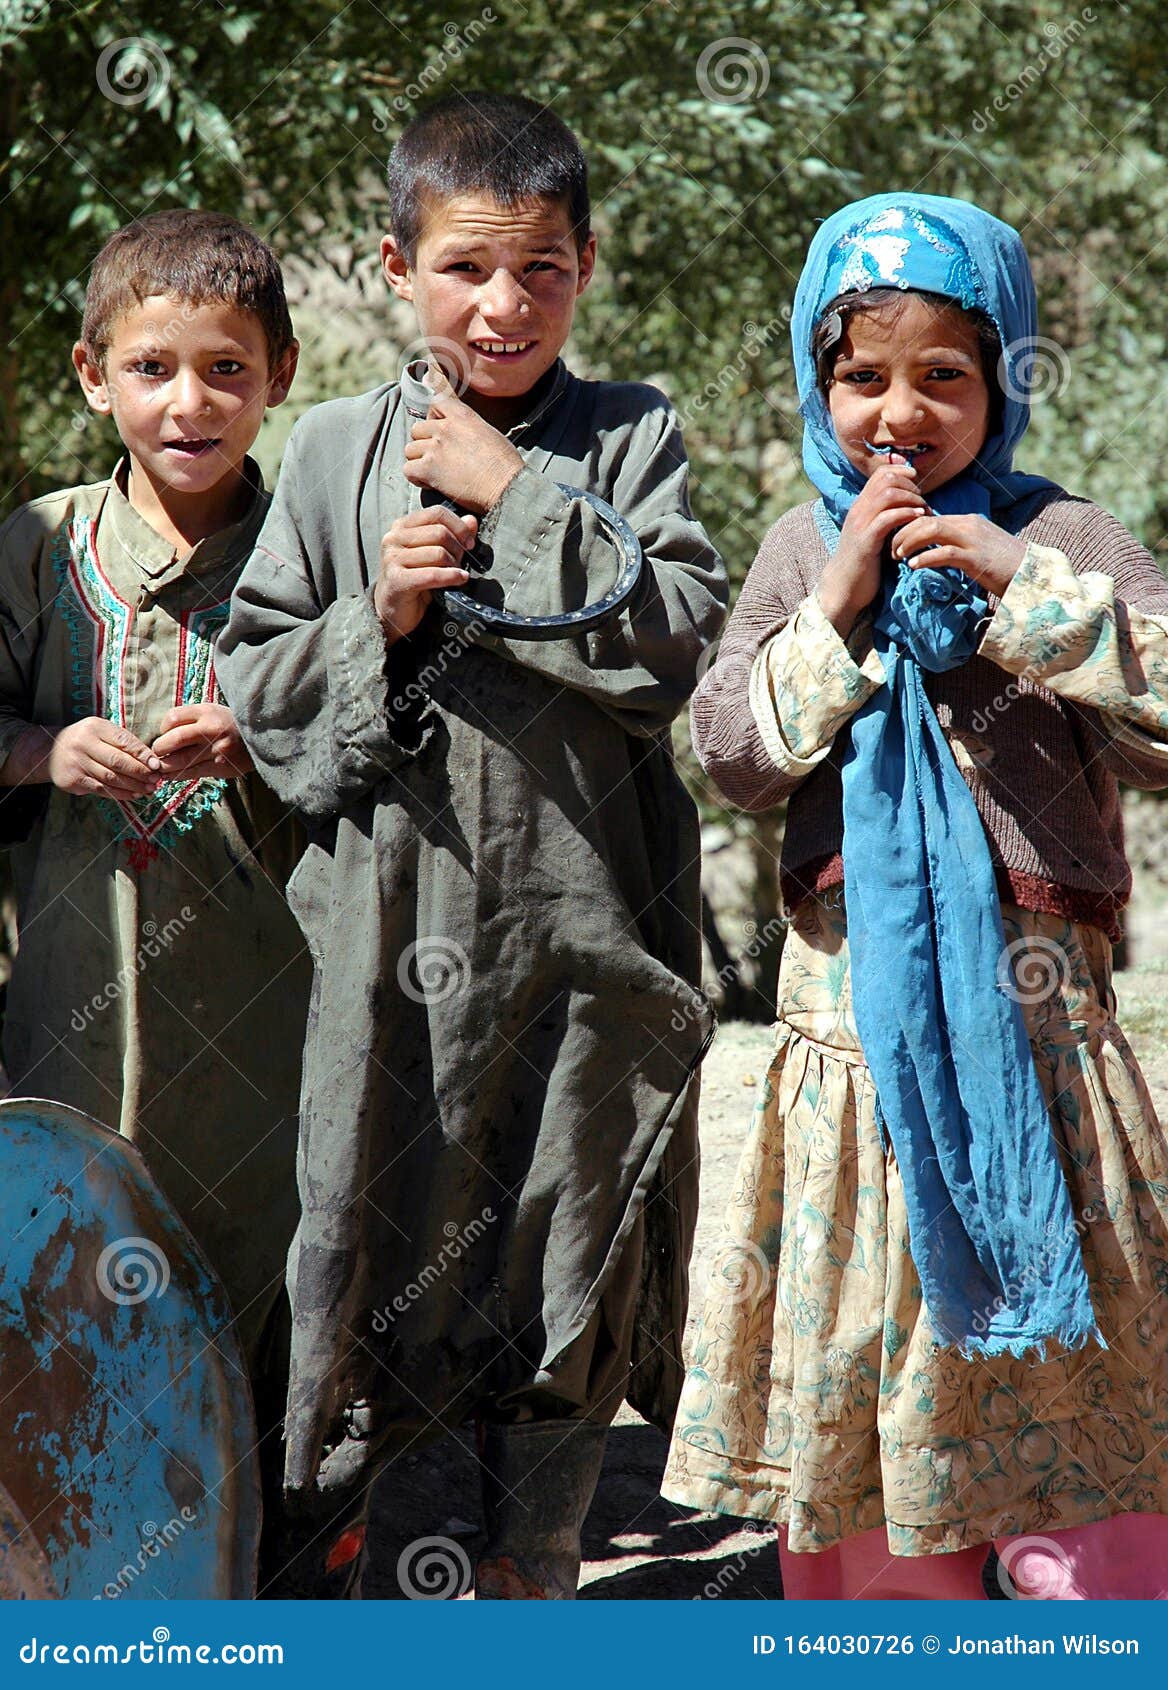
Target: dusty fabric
point(1053, 823)
point(161, 983)
point(501, 896)
point(816, 1397)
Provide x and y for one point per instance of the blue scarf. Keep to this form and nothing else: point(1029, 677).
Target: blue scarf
point(990, 1224)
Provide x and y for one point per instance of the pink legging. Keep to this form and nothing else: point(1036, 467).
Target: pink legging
point(1123, 1558)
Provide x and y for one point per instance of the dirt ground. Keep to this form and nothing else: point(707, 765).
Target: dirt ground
point(636, 1544)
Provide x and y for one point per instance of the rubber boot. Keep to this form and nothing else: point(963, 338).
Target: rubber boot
point(538, 1481)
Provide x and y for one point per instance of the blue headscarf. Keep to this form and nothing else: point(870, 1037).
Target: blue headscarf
point(990, 1223)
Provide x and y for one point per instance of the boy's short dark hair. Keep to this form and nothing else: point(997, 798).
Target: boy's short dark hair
point(192, 256)
point(833, 321)
point(498, 144)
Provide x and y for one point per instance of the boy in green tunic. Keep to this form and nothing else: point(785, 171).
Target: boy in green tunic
point(161, 981)
point(498, 1145)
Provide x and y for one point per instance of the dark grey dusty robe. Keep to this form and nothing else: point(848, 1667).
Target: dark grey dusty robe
point(501, 895)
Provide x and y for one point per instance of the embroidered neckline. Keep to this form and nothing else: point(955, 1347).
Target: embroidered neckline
point(100, 623)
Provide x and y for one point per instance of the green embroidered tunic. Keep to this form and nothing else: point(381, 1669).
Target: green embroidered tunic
point(501, 895)
point(161, 984)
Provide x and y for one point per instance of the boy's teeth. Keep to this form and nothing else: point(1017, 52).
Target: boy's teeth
point(504, 345)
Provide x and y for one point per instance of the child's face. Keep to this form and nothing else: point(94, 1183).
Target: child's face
point(187, 386)
point(911, 376)
point(498, 285)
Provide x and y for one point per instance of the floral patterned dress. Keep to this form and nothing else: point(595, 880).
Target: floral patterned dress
point(816, 1395)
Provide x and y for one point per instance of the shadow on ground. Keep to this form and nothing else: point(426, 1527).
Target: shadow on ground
point(426, 1531)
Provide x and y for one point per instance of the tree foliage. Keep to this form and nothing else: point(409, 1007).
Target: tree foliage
point(717, 135)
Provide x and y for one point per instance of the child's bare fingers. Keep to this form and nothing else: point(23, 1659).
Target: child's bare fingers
point(921, 531)
point(110, 752)
point(188, 734)
point(454, 536)
point(899, 492)
point(943, 557)
point(900, 511)
point(95, 777)
point(886, 523)
point(108, 764)
point(435, 535)
point(433, 580)
point(121, 739)
point(432, 557)
point(437, 525)
point(903, 475)
point(182, 763)
point(181, 715)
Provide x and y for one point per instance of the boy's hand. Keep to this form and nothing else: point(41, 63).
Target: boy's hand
point(972, 543)
point(201, 742)
point(888, 499)
point(456, 453)
point(421, 553)
point(96, 758)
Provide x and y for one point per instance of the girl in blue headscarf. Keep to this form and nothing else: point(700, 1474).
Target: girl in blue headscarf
point(939, 1318)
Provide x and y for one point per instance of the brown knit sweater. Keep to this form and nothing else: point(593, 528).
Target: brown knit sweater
point(1046, 779)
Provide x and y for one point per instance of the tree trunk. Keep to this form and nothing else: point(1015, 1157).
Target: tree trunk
point(14, 486)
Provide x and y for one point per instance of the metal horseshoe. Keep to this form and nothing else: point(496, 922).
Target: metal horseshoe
point(465, 609)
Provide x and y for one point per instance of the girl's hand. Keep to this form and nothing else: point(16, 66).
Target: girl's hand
point(888, 500)
point(971, 543)
point(201, 742)
point(95, 758)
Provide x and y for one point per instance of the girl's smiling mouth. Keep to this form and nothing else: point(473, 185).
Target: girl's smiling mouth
point(886, 447)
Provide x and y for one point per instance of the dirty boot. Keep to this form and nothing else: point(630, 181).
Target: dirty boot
point(538, 1480)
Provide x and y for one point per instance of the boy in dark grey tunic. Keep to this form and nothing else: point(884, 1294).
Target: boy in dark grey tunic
point(498, 1159)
